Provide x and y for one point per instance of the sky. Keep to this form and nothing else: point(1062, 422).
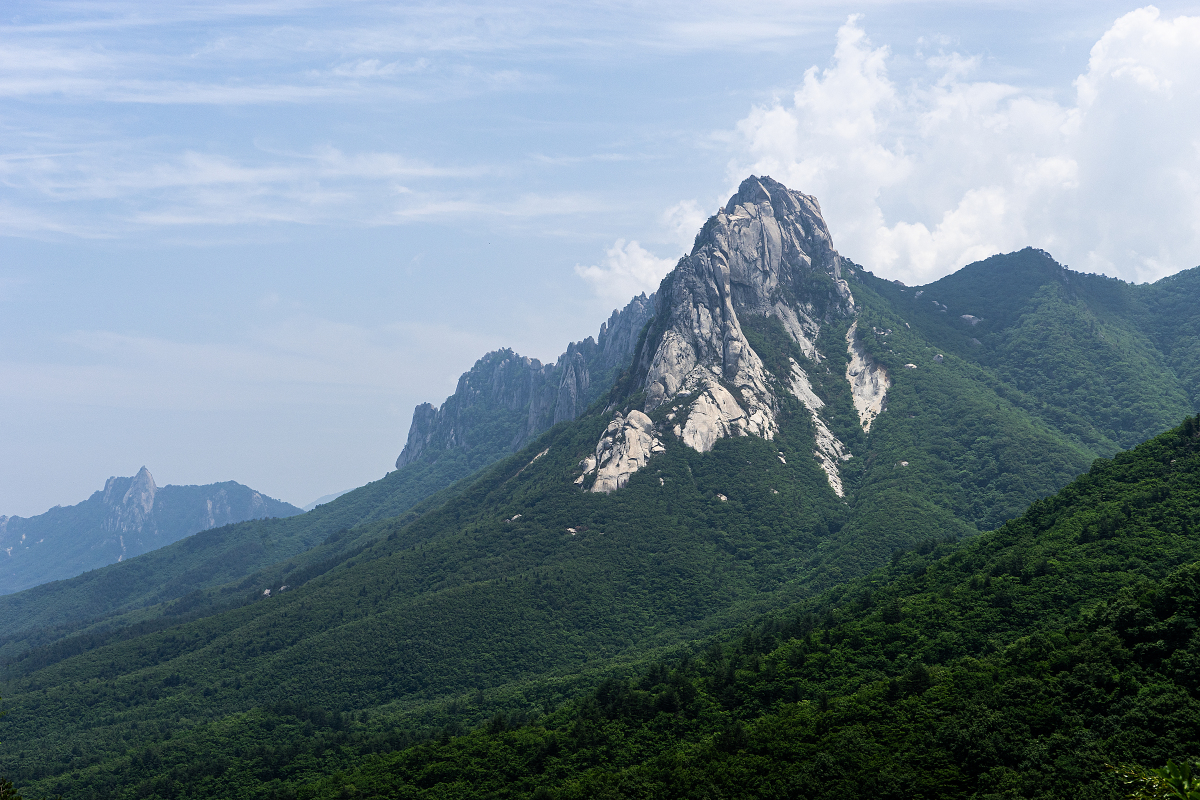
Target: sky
point(241, 241)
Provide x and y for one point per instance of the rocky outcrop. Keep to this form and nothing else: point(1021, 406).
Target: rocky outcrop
point(829, 450)
point(505, 400)
point(869, 382)
point(130, 501)
point(766, 253)
point(625, 447)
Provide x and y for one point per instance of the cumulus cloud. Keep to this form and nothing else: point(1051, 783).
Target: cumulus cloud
point(628, 270)
point(917, 181)
point(684, 220)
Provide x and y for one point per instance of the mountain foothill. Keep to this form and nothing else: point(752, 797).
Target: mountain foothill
point(784, 528)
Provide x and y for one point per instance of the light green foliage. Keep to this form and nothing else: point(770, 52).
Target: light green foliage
point(1172, 782)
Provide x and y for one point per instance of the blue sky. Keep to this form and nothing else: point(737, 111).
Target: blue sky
point(242, 241)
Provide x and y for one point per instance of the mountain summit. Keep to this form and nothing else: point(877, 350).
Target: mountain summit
point(128, 517)
point(506, 400)
point(766, 254)
point(130, 501)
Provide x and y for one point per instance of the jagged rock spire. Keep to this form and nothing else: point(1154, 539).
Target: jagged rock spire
point(767, 252)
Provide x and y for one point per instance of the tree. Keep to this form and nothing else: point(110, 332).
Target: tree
point(1172, 782)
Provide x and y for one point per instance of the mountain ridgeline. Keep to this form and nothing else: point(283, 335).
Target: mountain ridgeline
point(756, 438)
point(505, 399)
point(130, 516)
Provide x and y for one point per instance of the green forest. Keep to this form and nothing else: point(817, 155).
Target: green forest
point(1003, 604)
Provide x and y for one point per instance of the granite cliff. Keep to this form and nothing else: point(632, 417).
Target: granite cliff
point(505, 400)
point(767, 253)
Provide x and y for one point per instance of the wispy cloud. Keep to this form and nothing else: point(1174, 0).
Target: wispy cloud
point(322, 186)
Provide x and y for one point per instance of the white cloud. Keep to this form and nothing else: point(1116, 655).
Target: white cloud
point(684, 220)
point(918, 181)
point(628, 269)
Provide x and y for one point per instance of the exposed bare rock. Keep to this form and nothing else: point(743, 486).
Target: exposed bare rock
point(130, 509)
point(766, 253)
point(625, 447)
point(511, 399)
point(829, 450)
point(869, 382)
point(716, 413)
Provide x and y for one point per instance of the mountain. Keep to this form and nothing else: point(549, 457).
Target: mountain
point(506, 400)
point(766, 256)
point(786, 423)
point(130, 516)
point(1018, 665)
point(499, 403)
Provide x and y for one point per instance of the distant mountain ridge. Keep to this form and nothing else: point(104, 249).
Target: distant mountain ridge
point(128, 517)
point(505, 400)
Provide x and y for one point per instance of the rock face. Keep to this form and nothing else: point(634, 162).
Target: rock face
point(505, 400)
point(830, 451)
point(768, 253)
point(130, 501)
point(625, 447)
point(130, 516)
point(869, 382)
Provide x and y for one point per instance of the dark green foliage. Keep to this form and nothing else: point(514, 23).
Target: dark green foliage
point(457, 600)
point(457, 615)
point(986, 670)
point(956, 669)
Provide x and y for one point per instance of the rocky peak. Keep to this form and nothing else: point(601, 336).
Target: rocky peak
point(130, 501)
point(767, 252)
point(507, 399)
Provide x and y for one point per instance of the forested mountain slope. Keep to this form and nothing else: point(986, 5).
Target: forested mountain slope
point(130, 516)
point(787, 422)
point(1018, 665)
point(499, 404)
